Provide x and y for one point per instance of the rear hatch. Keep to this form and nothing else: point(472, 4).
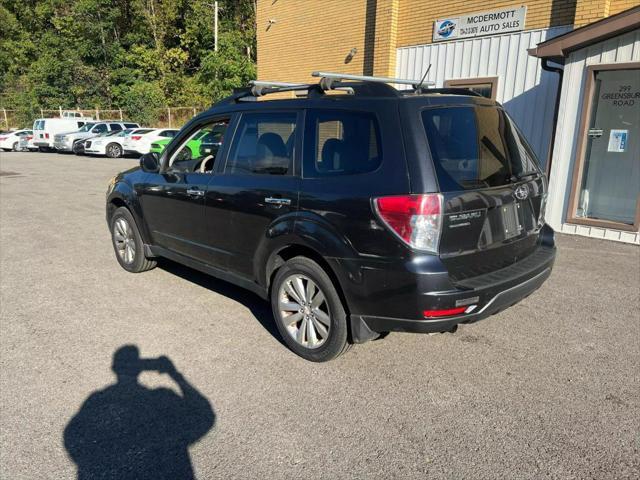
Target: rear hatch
point(493, 188)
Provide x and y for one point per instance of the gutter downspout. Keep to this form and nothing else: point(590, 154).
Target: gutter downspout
point(560, 71)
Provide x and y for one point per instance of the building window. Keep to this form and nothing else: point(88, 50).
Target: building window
point(606, 178)
point(487, 87)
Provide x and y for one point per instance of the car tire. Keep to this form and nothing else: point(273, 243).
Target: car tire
point(113, 150)
point(15, 147)
point(296, 304)
point(77, 148)
point(43, 149)
point(127, 242)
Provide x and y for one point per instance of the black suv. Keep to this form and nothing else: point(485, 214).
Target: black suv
point(357, 213)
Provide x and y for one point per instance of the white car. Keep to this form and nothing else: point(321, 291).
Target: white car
point(110, 144)
point(140, 143)
point(74, 141)
point(11, 140)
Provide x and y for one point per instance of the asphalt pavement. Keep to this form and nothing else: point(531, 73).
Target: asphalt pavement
point(549, 388)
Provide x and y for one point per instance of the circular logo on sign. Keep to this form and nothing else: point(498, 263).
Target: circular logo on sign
point(446, 28)
point(522, 192)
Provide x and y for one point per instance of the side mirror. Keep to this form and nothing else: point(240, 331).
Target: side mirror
point(150, 162)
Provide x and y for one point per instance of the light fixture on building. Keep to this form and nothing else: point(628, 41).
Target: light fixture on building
point(350, 55)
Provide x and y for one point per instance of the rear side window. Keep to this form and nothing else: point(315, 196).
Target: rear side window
point(130, 125)
point(263, 144)
point(115, 127)
point(341, 143)
point(476, 147)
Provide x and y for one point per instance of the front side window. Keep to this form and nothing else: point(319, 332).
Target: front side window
point(476, 147)
point(199, 151)
point(263, 144)
point(86, 127)
point(341, 143)
point(168, 133)
point(99, 128)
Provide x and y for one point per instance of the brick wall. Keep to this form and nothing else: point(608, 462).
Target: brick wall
point(312, 35)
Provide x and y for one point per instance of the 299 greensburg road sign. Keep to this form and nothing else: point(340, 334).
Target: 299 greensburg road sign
point(480, 24)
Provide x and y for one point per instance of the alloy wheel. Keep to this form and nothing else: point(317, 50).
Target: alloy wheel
point(124, 240)
point(113, 151)
point(304, 311)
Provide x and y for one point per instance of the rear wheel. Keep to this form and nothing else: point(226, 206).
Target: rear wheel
point(15, 147)
point(44, 149)
point(127, 242)
point(308, 311)
point(113, 150)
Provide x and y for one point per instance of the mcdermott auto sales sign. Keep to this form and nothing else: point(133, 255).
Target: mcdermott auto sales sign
point(479, 24)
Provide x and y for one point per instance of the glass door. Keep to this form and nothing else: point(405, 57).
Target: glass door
point(609, 187)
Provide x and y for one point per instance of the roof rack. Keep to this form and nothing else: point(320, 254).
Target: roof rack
point(364, 85)
point(327, 79)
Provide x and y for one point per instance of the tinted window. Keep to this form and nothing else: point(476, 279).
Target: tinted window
point(168, 133)
point(263, 144)
point(142, 131)
point(115, 127)
point(476, 147)
point(341, 143)
point(131, 125)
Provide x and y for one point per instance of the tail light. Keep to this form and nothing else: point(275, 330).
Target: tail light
point(416, 219)
point(136, 137)
point(3, 138)
point(46, 135)
point(30, 137)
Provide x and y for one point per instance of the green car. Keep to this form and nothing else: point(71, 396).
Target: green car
point(205, 142)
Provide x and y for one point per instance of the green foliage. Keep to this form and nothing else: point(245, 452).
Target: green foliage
point(131, 54)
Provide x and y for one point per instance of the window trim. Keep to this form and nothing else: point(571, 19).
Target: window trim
point(586, 105)
point(309, 124)
point(466, 82)
point(296, 142)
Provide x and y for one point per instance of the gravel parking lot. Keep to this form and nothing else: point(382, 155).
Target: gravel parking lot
point(547, 389)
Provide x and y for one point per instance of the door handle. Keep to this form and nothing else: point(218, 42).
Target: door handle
point(195, 192)
point(277, 201)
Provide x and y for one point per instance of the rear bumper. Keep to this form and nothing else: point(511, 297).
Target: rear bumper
point(395, 296)
point(497, 303)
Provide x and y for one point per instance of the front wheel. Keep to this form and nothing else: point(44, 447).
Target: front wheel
point(127, 242)
point(308, 311)
point(113, 150)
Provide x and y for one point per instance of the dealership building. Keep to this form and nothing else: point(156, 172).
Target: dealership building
point(567, 71)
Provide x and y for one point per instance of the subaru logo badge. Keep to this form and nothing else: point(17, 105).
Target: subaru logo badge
point(522, 192)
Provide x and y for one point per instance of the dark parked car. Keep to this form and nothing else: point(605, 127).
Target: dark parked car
point(356, 214)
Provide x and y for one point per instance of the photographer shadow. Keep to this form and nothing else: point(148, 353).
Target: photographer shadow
point(129, 431)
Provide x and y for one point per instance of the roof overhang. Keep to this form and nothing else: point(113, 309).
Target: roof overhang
point(558, 48)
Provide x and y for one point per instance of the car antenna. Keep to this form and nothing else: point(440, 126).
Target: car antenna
point(424, 77)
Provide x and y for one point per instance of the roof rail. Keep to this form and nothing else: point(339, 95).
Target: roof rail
point(327, 79)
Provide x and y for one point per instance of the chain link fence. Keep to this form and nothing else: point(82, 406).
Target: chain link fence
point(167, 117)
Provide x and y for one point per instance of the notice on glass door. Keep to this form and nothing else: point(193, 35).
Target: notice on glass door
point(617, 140)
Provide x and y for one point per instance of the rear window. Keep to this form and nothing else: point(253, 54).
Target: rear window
point(476, 147)
point(342, 143)
point(142, 131)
